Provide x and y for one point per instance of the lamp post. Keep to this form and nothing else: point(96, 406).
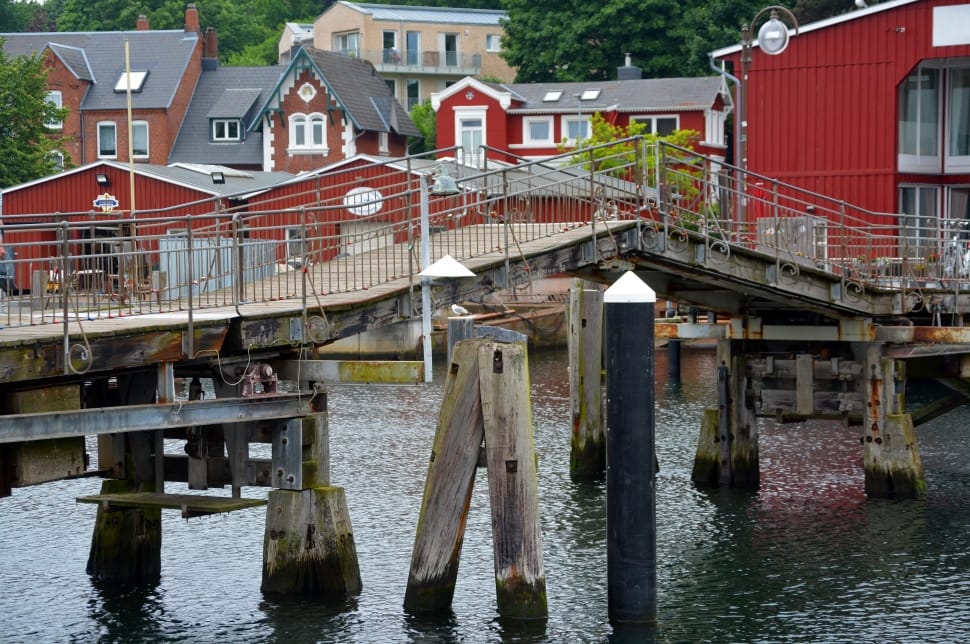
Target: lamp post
point(772, 39)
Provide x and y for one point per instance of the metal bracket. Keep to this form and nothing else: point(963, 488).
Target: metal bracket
point(261, 374)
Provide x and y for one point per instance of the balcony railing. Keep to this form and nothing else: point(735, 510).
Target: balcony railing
point(423, 61)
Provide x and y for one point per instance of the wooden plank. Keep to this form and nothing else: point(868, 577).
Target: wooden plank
point(353, 371)
point(189, 504)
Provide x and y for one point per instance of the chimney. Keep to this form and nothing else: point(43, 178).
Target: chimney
point(191, 18)
point(210, 44)
point(628, 71)
point(142, 23)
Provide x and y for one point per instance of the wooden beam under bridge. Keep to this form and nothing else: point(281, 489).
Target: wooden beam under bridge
point(132, 418)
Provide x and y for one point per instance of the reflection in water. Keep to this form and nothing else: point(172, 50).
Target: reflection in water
point(806, 557)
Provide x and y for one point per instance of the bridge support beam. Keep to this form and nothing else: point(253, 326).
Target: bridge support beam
point(727, 449)
point(893, 468)
point(308, 543)
point(587, 456)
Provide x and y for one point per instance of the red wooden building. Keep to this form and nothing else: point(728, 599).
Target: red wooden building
point(871, 107)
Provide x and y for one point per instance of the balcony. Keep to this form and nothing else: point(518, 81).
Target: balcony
point(448, 63)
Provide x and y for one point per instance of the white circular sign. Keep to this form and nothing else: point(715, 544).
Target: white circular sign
point(364, 201)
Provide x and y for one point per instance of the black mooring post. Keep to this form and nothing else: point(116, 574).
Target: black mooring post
point(631, 542)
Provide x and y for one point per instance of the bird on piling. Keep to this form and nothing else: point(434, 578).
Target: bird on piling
point(458, 309)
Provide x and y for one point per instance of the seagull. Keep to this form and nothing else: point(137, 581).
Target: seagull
point(459, 310)
point(861, 4)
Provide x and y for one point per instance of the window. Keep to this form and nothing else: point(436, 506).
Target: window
point(664, 125)
point(139, 139)
point(919, 223)
point(919, 120)
point(348, 43)
point(308, 132)
point(107, 140)
point(552, 96)
point(137, 81)
point(383, 145)
point(414, 46)
point(589, 95)
point(226, 130)
point(391, 54)
point(450, 47)
point(470, 130)
point(57, 157)
point(538, 131)
point(54, 98)
point(414, 94)
point(576, 128)
point(958, 137)
point(493, 42)
point(391, 85)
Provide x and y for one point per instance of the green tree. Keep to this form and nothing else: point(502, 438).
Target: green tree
point(574, 40)
point(27, 146)
point(425, 119)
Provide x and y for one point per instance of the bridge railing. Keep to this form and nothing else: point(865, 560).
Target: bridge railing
point(800, 228)
point(345, 230)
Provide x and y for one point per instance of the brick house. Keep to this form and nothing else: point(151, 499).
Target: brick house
point(418, 50)
point(87, 75)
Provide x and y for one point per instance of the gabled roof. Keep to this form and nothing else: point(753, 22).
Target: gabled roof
point(855, 14)
point(446, 15)
point(355, 86)
point(230, 93)
point(188, 175)
point(74, 59)
point(637, 95)
point(104, 53)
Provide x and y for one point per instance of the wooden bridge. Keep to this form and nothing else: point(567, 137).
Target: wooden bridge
point(819, 309)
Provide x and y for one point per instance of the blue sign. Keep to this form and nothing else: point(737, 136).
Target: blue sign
point(106, 202)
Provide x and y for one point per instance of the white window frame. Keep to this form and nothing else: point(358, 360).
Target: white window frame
point(383, 143)
point(908, 162)
point(493, 42)
point(135, 125)
point(527, 123)
point(311, 124)
point(227, 126)
point(57, 98)
point(105, 125)
point(956, 163)
point(651, 121)
point(464, 115)
point(586, 124)
point(347, 43)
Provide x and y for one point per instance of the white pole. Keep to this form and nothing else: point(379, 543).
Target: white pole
point(425, 281)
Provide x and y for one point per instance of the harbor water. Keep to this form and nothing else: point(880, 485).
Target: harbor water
point(806, 558)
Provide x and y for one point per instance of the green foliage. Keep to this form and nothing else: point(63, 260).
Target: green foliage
point(26, 145)
point(424, 118)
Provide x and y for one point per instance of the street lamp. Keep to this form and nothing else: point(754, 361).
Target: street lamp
point(772, 39)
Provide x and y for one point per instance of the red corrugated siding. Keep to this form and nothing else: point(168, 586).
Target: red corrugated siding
point(823, 114)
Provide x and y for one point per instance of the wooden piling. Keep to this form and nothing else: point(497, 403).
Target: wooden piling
point(448, 486)
point(707, 459)
point(891, 459)
point(520, 581)
point(308, 545)
point(587, 456)
point(459, 328)
point(126, 547)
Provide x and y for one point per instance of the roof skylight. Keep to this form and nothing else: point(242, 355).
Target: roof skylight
point(590, 95)
point(137, 81)
point(552, 95)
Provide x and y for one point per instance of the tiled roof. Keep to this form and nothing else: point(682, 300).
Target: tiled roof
point(74, 59)
point(640, 95)
point(225, 92)
point(363, 93)
point(104, 52)
point(398, 13)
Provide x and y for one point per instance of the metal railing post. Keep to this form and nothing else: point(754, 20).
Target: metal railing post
point(190, 333)
point(65, 285)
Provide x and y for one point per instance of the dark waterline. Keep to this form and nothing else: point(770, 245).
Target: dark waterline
point(805, 558)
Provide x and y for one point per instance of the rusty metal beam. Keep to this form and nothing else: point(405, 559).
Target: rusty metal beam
point(132, 418)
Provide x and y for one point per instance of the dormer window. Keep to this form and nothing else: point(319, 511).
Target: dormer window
point(226, 130)
point(137, 81)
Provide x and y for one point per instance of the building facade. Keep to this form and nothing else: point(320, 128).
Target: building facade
point(418, 50)
point(871, 107)
point(539, 120)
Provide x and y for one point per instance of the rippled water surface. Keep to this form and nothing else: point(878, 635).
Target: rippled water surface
point(806, 558)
